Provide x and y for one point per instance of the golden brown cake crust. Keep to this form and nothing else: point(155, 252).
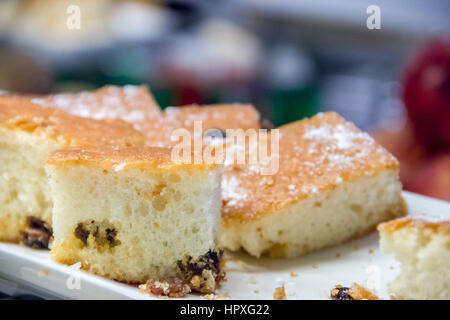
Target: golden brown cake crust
point(441, 227)
point(218, 116)
point(129, 103)
point(18, 113)
point(315, 155)
point(121, 158)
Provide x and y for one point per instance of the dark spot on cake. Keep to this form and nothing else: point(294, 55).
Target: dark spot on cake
point(208, 261)
point(203, 274)
point(103, 233)
point(37, 234)
point(81, 233)
point(111, 235)
point(341, 293)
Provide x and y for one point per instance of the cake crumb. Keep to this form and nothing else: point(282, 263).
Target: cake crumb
point(279, 294)
point(338, 255)
point(172, 287)
point(315, 266)
point(212, 296)
point(252, 279)
point(43, 273)
point(256, 291)
point(370, 251)
point(294, 275)
point(356, 292)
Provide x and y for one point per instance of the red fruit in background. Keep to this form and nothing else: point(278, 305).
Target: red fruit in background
point(400, 141)
point(426, 94)
point(433, 178)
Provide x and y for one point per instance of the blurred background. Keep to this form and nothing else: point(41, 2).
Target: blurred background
point(291, 59)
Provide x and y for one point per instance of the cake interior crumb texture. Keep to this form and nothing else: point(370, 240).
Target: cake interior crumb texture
point(24, 189)
point(423, 248)
point(137, 223)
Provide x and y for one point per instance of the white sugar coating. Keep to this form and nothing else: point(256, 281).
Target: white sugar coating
point(119, 167)
point(232, 191)
point(129, 103)
point(339, 135)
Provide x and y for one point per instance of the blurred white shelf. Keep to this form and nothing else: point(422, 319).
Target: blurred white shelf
point(417, 18)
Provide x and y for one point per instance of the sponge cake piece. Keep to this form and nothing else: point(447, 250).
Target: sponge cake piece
point(28, 132)
point(422, 245)
point(134, 215)
point(129, 103)
point(334, 183)
point(218, 116)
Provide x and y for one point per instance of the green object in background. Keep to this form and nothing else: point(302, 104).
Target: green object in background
point(293, 104)
point(164, 97)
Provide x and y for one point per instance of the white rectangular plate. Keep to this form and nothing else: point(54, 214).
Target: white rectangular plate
point(309, 277)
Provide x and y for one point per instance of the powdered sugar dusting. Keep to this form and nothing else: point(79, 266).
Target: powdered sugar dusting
point(129, 103)
point(119, 167)
point(232, 192)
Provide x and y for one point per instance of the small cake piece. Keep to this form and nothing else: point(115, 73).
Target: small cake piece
point(134, 215)
point(129, 103)
point(422, 245)
point(28, 133)
point(218, 116)
point(333, 183)
point(280, 293)
point(356, 292)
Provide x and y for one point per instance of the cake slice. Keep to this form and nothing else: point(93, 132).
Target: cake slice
point(333, 183)
point(134, 215)
point(129, 103)
point(28, 132)
point(219, 116)
point(422, 245)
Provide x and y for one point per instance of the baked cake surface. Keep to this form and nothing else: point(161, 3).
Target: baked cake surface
point(28, 133)
point(133, 215)
point(129, 103)
point(422, 245)
point(218, 116)
point(334, 182)
point(21, 115)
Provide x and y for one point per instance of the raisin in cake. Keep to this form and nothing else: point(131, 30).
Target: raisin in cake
point(129, 103)
point(333, 183)
point(28, 132)
point(134, 215)
point(219, 116)
point(422, 245)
